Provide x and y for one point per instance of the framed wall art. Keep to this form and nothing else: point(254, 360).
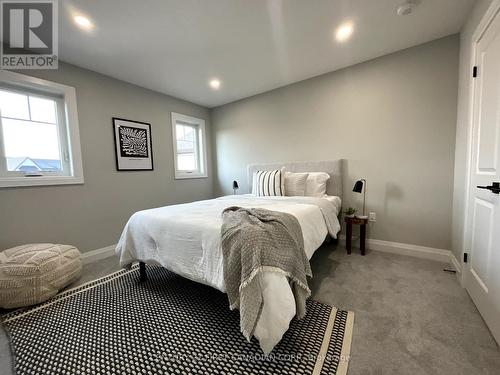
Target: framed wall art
point(133, 145)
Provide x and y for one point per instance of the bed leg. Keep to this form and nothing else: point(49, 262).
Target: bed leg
point(142, 272)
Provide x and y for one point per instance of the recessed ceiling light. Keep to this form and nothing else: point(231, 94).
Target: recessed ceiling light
point(344, 32)
point(83, 22)
point(215, 83)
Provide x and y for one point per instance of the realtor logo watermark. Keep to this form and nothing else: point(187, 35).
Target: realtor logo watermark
point(29, 34)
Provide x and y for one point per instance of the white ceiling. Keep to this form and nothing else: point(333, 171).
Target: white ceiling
point(177, 46)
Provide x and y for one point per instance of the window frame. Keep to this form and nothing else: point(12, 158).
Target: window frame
point(61, 133)
point(200, 146)
point(68, 132)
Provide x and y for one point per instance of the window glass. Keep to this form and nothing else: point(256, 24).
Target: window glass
point(186, 162)
point(43, 110)
point(31, 143)
point(14, 105)
point(186, 147)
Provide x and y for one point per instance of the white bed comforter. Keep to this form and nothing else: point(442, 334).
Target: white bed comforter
point(185, 239)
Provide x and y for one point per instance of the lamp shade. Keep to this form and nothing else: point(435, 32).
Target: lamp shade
point(358, 186)
point(235, 185)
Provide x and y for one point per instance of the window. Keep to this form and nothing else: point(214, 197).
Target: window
point(39, 137)
point(190, 154)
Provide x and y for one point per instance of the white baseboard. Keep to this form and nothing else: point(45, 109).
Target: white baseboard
point(456, 264)
point(440, 255)
point(98, 254)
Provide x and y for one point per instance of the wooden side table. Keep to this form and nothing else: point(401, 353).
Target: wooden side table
point(362, 230)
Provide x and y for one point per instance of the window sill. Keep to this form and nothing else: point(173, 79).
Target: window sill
point(6, 182)
point(189, 176)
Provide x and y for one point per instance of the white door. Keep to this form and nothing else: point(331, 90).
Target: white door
point(482, 272)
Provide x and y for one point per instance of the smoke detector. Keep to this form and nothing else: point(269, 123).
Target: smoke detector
point(407, 7)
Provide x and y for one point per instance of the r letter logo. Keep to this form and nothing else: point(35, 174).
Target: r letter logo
point(29, 34)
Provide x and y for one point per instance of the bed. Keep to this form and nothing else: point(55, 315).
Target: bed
point(186, 240)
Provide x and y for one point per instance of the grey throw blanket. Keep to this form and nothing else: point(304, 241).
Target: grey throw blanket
point(256, 240)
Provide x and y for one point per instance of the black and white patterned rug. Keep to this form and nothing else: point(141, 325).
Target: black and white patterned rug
point(166, 325)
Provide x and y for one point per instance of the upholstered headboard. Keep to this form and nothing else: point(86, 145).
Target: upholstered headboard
point(332, 167)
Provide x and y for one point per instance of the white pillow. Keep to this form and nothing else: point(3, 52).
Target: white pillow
point(316, 184)
point(295, 184)
point(269, 183)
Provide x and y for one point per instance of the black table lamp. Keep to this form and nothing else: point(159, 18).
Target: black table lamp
point(235, 187)
point(358, 188)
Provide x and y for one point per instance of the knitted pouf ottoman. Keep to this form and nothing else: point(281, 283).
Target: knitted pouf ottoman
point(31, 274)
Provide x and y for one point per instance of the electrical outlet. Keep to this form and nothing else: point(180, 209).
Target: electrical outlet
point(372, 217)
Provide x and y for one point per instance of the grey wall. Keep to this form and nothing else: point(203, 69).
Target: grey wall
point(463, 127)
point(92, 215)
point(393, 119)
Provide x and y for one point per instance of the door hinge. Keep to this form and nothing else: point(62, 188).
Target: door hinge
point(466, 257)
point(474, 72)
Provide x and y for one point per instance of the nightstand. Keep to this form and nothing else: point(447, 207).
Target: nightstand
point(350, 221)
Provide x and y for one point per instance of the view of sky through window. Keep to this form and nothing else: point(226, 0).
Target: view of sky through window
point(30, 131)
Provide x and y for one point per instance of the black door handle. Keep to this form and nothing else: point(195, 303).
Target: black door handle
point(494, 188)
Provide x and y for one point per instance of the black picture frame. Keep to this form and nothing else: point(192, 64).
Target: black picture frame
point(123, 161)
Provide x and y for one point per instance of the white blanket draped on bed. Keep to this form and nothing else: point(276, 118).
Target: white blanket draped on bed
point(186, 239)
